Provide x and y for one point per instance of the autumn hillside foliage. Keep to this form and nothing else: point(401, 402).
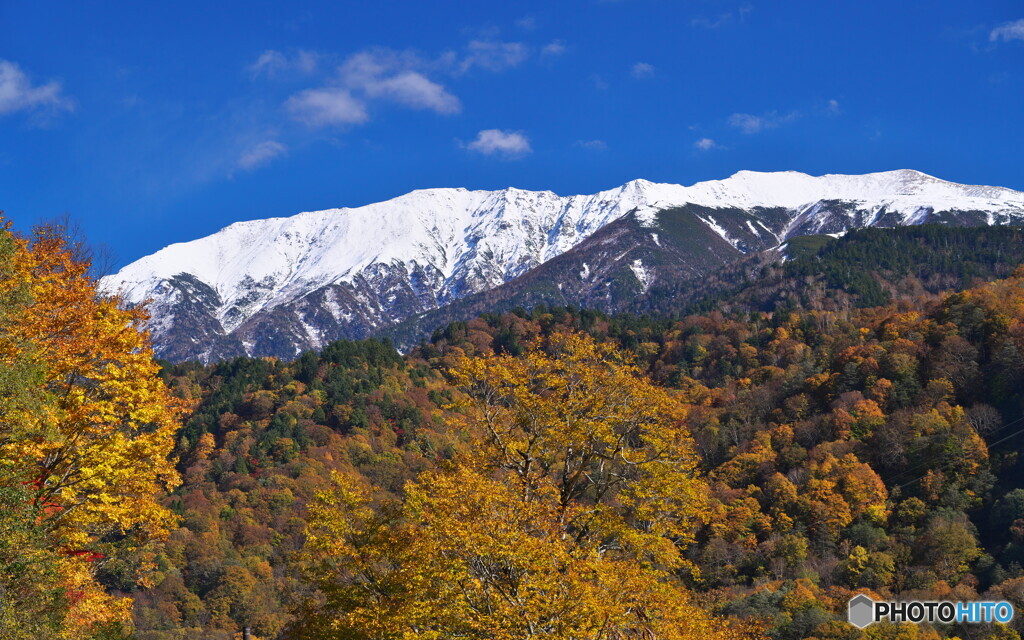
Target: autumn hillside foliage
point(551, 473)
point(811, 454)
point(566, 517)
point(86, 432)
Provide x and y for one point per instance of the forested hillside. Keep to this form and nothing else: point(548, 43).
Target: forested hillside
point(863, 268)
point(843, 449)
point(264, 438)
point(744, 470)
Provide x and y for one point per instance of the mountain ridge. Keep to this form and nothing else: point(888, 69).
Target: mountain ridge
point(279, 286)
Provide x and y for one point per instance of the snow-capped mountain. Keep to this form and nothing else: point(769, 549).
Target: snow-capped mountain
point(283, 285)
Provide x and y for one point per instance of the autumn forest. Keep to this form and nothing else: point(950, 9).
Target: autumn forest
point(731, 467)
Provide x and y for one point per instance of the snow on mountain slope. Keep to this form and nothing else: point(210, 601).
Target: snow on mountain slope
point(464, 240)
point(903, 189)
point(280, 285)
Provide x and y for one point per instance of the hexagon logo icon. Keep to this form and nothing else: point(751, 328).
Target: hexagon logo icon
point(861, 611)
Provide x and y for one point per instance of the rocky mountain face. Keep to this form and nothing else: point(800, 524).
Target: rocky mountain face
point(284, 285)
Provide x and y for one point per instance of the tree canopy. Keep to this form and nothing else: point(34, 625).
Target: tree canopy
point(566, 517)
point(86, 433)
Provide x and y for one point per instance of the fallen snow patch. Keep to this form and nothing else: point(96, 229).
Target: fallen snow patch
point(641, 273)
point(717, 228)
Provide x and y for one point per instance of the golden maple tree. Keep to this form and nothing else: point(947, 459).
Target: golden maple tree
point(566, 517)
point(87, 428)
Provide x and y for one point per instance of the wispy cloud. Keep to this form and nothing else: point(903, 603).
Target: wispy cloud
point(17, 93)
point(749, 123)
point(330, 106)
point(592, 145)
point(553, 48)
point(642, 70)
point(527, 22)
point(389, 77)
point(722, 19)
point(599, 82)
point(370, 76)
point(272, 63)
point(492, 55)
point(347, 95)
point(712, 23)
point(705, 144)
point(507, 144)
point(407, 78)
point(1009, 31)
point(832, 107)
point(261, 154)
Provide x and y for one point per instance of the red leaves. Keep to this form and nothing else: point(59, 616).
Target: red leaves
point(84, 554)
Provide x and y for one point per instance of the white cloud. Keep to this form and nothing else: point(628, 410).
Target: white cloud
point(642, 70)
point(599, 82)
point(832, 107)
point(704, 144)
point(553, 48)
point(402, 77)
point(18, 94)
point(271, 63)
point(510, 144)
point(1009, 31)
point(326, 106)
point(592, 145)
point(386, 76)
point(368, 76)
point(493, 55)
point(416, 91)
point(748, 123)
point(261, 154)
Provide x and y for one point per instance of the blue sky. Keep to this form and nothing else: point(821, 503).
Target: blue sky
point(152, 123)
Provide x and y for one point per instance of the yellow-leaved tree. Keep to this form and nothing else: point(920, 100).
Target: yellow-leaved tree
point(86, 433)
point(566, 517)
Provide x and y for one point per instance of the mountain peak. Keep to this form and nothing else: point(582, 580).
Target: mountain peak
point(347, 272)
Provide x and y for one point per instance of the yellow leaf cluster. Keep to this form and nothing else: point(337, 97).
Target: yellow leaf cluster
point(566, 519)
point(95, 443)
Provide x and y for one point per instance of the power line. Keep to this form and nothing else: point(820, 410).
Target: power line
point(988, 445)
point(995, 431)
